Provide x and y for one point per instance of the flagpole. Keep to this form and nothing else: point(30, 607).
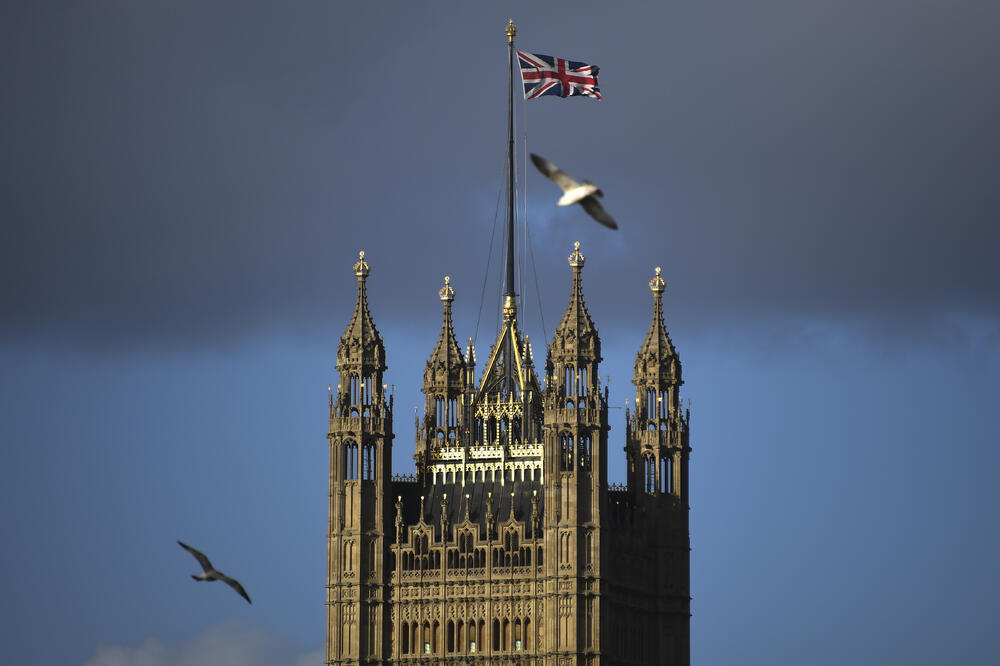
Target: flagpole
point(509, 301)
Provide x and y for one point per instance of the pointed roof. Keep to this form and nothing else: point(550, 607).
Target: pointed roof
point(657, 350)
point(447, 355)
point(576, 324)
point(361, 341)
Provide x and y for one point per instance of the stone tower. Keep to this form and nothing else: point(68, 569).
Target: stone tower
point(360, 438)
point(575, 439)
point(508, 544)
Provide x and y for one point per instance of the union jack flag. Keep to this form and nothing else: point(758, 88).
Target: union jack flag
point(545, 75)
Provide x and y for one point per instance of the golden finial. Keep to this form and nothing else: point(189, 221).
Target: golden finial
point(657, 284)
point(361, 269)
point(447, 294)
point(576, 259)
point(509, 307)
point(511, 30)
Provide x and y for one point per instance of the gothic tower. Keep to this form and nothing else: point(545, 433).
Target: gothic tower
point(657, 456)
point(448, 386)
point(508, 545)
point(575, 439)
point(360, 438)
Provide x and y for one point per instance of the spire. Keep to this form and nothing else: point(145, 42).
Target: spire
point(361, 341)
point(576, 318)
point(446, 362)
point(657, 352)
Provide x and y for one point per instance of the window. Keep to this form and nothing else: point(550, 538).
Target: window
point(350, 461)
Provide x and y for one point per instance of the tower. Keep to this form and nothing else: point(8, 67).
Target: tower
point(575, 439)
point(360, 437)
point(657, 451)
point(447, 389)
point(508, 544)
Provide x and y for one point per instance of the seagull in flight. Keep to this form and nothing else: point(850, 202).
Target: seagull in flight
point(210, 572)
point(584, 193)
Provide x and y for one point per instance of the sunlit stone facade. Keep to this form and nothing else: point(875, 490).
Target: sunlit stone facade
point(508, 545)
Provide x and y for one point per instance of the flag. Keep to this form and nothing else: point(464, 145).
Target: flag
point(545, 75)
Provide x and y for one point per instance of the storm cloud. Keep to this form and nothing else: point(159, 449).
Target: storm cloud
point(181, 174)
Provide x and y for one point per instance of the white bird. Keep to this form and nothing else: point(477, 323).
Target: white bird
point(584, 193)
point(210, 572)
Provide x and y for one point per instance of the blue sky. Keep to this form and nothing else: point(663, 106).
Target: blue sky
point(185, 187)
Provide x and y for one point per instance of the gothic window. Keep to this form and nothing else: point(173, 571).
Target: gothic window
point(582, 376)
point(404, 639)
point(666, 475)
point(566, 449)
point(496, 635)
point(368, 462)
point(649, 473)
point(570, 381)
point(518, 641)
point(453, 413)
point(505, 643)
point(350, 460)
point(436, 637)
point(527, 634)
point(538, 558)
point(450, 639)
point(584, 451)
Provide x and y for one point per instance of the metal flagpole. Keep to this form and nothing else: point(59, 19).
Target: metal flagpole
point(511, 32)
point(510, 302)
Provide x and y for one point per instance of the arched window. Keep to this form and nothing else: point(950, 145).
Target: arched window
point(368, 462)
point(350, 460)
point(583, 453)
point(649, 473)
point(404, 639)
point(496, 635)
point(566, 449)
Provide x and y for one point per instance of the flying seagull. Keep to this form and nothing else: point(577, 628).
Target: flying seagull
point(584, 193)
point(211, 574)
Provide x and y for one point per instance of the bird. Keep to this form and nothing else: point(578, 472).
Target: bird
point(210, 573)
point(584, 193)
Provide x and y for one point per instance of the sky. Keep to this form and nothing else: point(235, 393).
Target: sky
point(184, 187)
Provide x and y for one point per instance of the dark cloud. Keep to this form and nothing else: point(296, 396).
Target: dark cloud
point(182, 174)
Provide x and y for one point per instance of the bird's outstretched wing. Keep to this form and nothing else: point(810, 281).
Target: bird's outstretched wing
point(596, 211)
point(198, 555)
point(235, 584)
point(551, 171)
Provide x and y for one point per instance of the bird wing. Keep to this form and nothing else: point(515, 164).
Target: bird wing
point(596, 211)
point(198, 555)
point(551, 171)
point(235, 584)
